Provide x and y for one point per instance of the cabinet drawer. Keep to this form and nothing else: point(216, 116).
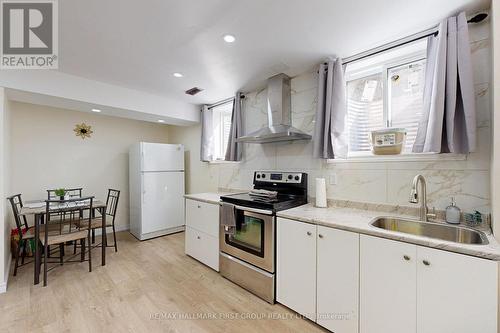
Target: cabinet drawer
point(203, 217)
point(202, 247)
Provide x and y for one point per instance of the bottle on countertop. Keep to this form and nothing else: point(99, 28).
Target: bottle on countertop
point(453, 213)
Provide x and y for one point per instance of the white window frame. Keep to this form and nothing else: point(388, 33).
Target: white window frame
point(368, 156)
point(218, 135)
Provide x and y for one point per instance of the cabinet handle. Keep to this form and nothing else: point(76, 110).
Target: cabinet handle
point(320, 236)
point(309, 233)
point(426, 263)
point(199, 206)
point(198, 237)
point(407, 258)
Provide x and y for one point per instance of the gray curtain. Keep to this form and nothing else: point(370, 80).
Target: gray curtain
point(330, 137)
point(449, 120)
point(207, 135)
point(234, 149)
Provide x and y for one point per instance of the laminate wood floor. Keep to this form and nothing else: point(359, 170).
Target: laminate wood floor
point(149, 286)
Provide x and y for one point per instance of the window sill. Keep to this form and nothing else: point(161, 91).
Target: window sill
point(368, 157)
point(224, 162)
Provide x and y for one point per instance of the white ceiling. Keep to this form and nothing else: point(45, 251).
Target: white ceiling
point(139, 44)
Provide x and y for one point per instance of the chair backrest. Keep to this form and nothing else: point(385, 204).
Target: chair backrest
point(71, 192)
point(17, 203)
point(68, 211)
point(112, 202)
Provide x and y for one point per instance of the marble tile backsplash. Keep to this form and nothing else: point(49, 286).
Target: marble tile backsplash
point(374, 182)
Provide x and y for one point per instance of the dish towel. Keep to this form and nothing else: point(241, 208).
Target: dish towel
point(228, 218)
point(263, 193)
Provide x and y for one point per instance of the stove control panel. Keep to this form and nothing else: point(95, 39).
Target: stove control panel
point(278, 177)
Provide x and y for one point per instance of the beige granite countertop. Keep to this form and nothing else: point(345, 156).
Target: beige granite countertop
point(208, 197)
point(358, 220)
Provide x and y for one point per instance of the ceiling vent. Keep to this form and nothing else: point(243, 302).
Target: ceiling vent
point(193, 91)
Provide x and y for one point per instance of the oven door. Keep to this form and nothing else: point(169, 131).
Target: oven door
point(253, 240)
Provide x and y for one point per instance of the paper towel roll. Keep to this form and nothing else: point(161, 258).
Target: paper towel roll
point(320, 192)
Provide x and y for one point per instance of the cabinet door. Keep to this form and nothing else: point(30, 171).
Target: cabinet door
point(455, 293)
point(296, 266)
point(338, 280)
point(203, 217)
point(202, 247)
point(387, 286)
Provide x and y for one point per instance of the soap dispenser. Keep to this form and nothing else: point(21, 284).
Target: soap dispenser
point(453, 213)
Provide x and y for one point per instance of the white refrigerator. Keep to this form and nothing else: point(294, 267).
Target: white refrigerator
point(156, 175)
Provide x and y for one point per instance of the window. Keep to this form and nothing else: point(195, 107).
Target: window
point(221, 122)
point(385, 90)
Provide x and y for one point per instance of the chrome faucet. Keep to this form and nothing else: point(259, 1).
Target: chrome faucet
point(415, 197)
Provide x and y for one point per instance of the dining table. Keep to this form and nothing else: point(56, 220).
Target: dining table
point(37, 208)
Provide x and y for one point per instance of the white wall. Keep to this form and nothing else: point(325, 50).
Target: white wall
point(495, 170)
point(4, 188)
point(45, 153)
point(383, 182)
point(200, 176)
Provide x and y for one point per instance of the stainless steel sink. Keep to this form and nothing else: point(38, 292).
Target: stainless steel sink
point(433, 230)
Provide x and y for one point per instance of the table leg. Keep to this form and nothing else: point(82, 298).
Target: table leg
point(37, 250)
point(104, 242)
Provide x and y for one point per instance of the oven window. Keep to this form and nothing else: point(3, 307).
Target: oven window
point(249, 235)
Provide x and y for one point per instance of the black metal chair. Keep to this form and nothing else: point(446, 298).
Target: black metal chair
point(72, 193)
point(24, 235)
point(111, 207)
point(67, 212)
point(24, 231)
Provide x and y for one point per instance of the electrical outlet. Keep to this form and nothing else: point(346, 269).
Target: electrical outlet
point(333, 179)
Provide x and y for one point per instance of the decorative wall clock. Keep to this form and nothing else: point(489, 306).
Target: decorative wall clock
point(83, 130)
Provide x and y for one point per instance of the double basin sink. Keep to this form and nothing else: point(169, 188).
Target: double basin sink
point(440, 231)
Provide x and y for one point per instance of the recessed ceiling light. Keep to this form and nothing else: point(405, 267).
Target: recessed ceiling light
point(177, 75)
point(229, 38)
point(161, 120)
point(96, 110)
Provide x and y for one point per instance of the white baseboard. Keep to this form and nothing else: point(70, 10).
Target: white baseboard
point(3, 285)
point(110, 230)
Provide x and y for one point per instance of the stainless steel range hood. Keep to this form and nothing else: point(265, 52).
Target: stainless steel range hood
point(279, 115)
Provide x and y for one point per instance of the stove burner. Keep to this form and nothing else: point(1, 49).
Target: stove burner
point(291, 188)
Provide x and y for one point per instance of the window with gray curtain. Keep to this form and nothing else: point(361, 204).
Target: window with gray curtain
point(330, 140)
point(234, 149)
point(448, 123)
point(216, 128)
point(385, 90)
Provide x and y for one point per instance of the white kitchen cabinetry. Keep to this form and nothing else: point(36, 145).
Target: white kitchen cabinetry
point(296, 266)
point(318, 269)
point(202, 232)
point(337, 280)
point(387, 286)
point(455, 293)
point(410, 288)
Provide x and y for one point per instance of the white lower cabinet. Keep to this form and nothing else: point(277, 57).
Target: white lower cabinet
point(202, 232)
point(345, 281)
point(317, 273)
point(455, 293)
point(388, 286)
point(202, 247)
point(410, 288)
point(337, 280)
point(296, 266)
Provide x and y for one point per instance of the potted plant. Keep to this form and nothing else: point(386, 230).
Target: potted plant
point(60, 192)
